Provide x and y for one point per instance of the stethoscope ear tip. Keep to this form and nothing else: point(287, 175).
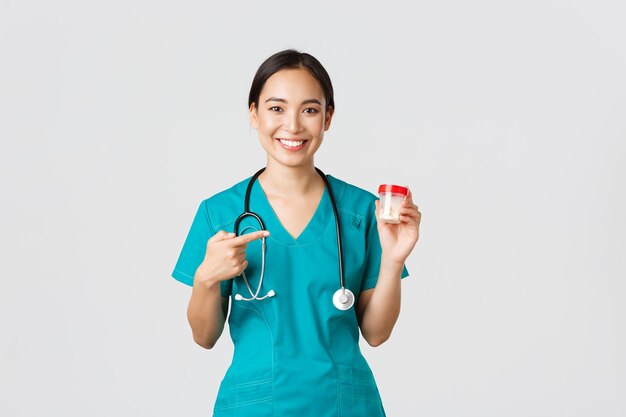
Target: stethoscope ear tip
point(271, 293)
point(238, 297)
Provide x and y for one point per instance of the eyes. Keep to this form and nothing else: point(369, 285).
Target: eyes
point(308, 110)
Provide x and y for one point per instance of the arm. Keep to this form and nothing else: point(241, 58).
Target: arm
point(207, 313)
point(378, 308)
point(225, 258)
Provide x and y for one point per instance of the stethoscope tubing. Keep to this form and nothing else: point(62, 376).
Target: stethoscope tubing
point(336, 213)
point(343, 298)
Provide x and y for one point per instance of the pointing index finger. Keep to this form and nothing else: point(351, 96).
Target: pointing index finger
point(249, 237)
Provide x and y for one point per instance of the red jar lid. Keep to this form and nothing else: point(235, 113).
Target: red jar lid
point(395, 189)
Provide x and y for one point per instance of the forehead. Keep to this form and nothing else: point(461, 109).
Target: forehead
point(292, 84)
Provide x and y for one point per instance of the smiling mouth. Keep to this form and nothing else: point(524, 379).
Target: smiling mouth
point(291, 143)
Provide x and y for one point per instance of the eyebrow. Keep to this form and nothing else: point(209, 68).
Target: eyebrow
point(282, 100)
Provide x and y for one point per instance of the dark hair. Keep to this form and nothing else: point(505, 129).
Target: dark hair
point(287, 59)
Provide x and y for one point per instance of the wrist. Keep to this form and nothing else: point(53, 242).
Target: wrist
point(390, 260)
point(205, 279)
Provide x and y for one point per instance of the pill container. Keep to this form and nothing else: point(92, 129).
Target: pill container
point(391, 198)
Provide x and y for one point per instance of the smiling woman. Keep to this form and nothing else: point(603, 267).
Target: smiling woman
point(293, 116)
point(296, 346)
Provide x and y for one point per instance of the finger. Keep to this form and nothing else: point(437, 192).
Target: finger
point(409, 204)
point(409, 219)
point(239, 268)
point(221, 235)
point(241, 257)
point(414, 213)
point(409, 194)
point(411, 208)
point(235, 252)
point(249, 237)
point(409, 197)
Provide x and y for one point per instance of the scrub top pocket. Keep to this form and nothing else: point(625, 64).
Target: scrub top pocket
point(253, 398)
point(358, 394)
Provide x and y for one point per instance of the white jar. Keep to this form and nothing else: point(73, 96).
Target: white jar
point(391, 198)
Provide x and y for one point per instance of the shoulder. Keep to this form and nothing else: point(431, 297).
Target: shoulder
point(351, 198)
point(230, 194)
point(224, 206)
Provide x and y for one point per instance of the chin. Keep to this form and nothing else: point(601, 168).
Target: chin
point(291, 163)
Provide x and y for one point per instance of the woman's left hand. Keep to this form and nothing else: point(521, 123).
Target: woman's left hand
point(398, 240)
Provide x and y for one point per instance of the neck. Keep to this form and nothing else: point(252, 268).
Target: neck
point(284, 180)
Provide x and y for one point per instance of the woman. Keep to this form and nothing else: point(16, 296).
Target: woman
point(296, 352)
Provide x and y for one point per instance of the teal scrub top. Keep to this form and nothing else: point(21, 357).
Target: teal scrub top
point(295, 354)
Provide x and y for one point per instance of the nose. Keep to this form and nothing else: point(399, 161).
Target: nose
point(293, 122)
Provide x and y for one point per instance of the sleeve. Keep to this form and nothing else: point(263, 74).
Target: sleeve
point(194, 249)
point(374, 252)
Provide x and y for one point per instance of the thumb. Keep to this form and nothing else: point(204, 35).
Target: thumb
point(221, 235)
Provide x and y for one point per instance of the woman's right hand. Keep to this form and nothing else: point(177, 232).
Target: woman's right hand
point(225, 257)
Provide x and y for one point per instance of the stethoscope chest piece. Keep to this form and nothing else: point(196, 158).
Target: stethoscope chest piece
point(343, 299)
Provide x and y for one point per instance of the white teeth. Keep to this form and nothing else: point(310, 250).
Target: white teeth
point(291, 143)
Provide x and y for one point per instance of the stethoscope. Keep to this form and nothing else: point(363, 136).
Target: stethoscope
point(343, 298)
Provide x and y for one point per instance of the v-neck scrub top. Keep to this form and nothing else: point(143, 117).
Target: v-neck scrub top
point(295, 354)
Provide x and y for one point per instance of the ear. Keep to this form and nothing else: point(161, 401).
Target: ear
point(254, 121)
point(329, 116)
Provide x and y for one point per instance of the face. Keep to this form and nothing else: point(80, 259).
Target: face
point(290, 118)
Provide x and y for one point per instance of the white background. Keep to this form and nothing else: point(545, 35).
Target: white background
point(506, 119)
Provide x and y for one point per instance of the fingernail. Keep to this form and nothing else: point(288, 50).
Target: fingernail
point(266, 233)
